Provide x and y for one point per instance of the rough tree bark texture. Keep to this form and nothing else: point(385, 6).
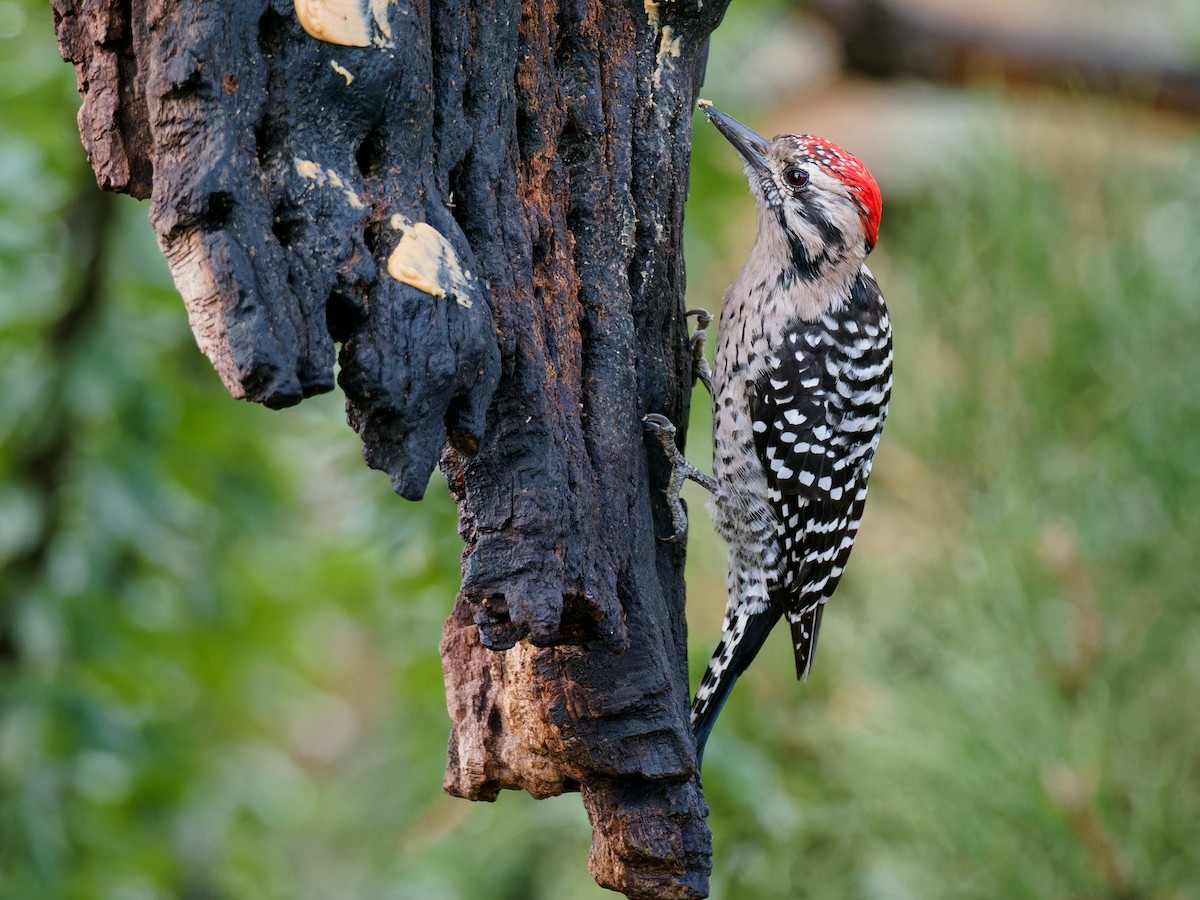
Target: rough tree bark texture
point(482, 204)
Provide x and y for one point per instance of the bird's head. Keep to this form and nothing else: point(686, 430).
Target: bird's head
point(818, 206)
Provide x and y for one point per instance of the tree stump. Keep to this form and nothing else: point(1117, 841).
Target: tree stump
point(482, 205)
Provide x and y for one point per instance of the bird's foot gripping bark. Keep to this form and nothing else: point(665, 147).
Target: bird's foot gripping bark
point(700, 368)
point(681, 470)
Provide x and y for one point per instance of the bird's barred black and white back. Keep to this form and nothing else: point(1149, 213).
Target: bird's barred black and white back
point(816, 414)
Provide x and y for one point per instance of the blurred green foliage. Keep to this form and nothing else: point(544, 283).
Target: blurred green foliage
point(228, 683)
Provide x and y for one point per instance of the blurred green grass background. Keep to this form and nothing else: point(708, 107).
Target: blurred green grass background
point(229, 684)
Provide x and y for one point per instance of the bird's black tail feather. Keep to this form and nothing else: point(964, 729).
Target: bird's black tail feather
point(804, 639)
point(743, 638)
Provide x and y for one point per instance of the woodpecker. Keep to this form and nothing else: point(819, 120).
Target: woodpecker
point(800, 387)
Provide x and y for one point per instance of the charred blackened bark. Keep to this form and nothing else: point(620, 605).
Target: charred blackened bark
point(482, 204)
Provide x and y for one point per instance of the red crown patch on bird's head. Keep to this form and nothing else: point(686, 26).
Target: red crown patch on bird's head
point(851, 171)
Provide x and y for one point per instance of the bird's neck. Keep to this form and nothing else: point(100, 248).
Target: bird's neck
point(774, 284)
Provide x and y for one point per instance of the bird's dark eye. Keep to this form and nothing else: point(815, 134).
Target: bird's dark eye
point(795, 177)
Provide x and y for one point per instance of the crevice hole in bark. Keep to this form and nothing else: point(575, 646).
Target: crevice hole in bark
point(343, 315)
point(461, 438)
point(579, 619)
point(372, 151)
point(460, 195)
point(267, 139)
point(192, 85)
point(285, 226)
point(272, 33)
point(371, 238)
point(218, 210)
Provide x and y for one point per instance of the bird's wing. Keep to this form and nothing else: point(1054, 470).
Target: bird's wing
point(816, 415)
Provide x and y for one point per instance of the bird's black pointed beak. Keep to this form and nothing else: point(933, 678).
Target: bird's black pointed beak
point(749, 143)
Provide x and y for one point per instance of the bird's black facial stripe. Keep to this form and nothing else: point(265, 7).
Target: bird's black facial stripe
point(831, 235)
point(810, 207)
point(806, 265)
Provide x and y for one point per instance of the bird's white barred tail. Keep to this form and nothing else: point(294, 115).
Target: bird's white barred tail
point(743, 636)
